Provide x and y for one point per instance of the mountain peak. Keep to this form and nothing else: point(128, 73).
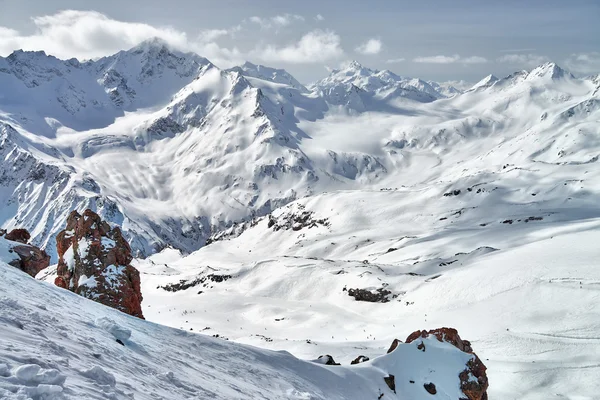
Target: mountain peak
point(549, 69)
point(151, 45)
point(485, 82)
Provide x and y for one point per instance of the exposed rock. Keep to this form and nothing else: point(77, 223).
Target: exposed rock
point(473, 379)
point(32, 260)
point(186, 284)
point(391, 382)
point(380, 295)
point(94, 262)
point(27, 258)
point(18, 235)
point(430, 387)
point(327, 360)
point(359, 359)
point(296, 220)
point(395, 344)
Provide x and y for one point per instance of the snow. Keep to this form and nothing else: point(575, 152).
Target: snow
point(112, 274)
point(475, 210)
point(58, 345)
point(90, 282)
point(69, 258)
point(6, 253)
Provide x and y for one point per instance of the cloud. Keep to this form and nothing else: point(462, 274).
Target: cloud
point(89, 34)
point(474, 60)
point(315, 46)
point(528, 60)
point(395, 60)
point(451, 59)
point(584, 63)
point(85, 34)
point(277, 21)
point(212, 34)
point(319, 17)
point(371, 46)
point(460, 85)
point(438, 59)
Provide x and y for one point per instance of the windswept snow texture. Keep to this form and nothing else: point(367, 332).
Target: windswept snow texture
point(57, 345)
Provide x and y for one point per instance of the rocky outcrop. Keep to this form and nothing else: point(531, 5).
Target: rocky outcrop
point(327, 360)
point(27, 258)
point(359, 359)
point(18, 235)
point(94, 262)
point(473, 379)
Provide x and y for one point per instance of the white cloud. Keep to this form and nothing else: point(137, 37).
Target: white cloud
point(527, 60)
point(474, 60)
point(212, 34)
point(371, 46)
point(395, 60)
point(441, 59)
point(319, 17)
point(85, 34)
point(584, 63)
point(460, 85)
point(438, 59)
point(89, 34)
point(277, 21)
point(315, 46)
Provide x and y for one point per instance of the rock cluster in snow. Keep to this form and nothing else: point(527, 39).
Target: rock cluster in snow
point(27, 257)
point(473, 379)
point(94, 262)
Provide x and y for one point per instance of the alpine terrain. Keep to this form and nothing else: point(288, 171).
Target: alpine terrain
point(268, 231)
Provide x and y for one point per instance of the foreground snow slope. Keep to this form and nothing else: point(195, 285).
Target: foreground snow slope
point(57, 345)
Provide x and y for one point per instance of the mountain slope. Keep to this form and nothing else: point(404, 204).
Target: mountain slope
point(58, 345)
point(155, 129)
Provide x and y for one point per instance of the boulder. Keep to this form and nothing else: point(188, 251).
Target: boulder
point(18, 235)
point(31, 259)
point(359, 359)
point(27, 258)
point(94, 262)
point(473, 379)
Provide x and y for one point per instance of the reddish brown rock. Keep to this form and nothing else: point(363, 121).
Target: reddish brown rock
point(393, 346)
point(473, 379)
point(27, 258)
point(430, 387)
point(359, 359)
point(94, 262)
point(18, 235)
point(32, 260)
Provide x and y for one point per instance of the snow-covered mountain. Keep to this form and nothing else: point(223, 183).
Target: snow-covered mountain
point(269, 74)
point(361, 88)
point(104, 134)
point(476, 210)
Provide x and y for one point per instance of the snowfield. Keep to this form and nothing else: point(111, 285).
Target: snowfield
point(58, 345)
point(321, 219)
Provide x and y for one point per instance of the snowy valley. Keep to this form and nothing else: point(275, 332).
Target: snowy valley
point(327, 219)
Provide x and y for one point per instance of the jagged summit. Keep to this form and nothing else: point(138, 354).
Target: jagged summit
point(485, 82)
point(550, 70)
point(275, 75)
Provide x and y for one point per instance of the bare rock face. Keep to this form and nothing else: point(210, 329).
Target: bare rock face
point(18, 235)
point(473, 379)
point(359, 359)
point(28, 258)
point(94, 262)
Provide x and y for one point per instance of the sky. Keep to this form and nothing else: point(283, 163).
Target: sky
point(457, 41)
